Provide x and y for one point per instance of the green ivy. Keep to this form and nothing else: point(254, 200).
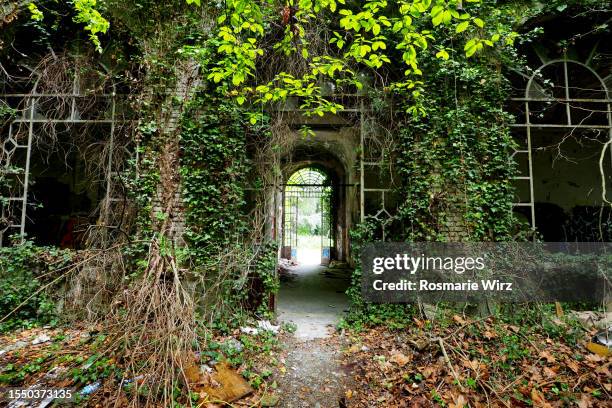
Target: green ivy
point(454, 162)
point(214, 170)
point(24, 271)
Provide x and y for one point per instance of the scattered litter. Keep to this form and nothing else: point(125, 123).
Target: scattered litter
point(55, 372)
point(90, 388)
point(43, 338)
point(263, 325)
point(266, 325)
point(365, 348)
point(604, 337)
point(601, 343)
point(338, 265)
point(598, 349)
point(131, 380)
point(206, 369)
point(249, 330)
point(590, 319)
point(18, 345)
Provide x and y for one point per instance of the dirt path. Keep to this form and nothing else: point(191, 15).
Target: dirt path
point(312, 298)
point(314, 377)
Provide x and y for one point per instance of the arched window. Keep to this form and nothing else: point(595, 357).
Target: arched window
point(564, 125)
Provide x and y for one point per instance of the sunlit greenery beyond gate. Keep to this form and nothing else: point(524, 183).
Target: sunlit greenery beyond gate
point(307, 216)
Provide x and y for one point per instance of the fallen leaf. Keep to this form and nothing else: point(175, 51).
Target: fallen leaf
point(550, 373)
point(585, 401)
point(489, 335)
point(458, 402)
point(549, 357)
point(458, 319)
point(400, 359)
point(572, 365)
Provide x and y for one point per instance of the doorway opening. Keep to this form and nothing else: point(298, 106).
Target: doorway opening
point(307, 217)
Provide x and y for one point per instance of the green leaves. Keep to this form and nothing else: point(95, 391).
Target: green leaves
point(35, 13)
point(461, 27)
point(94, 22)
point(365, 34)
point(476, 44)
point(87, 14)
point(442, 54)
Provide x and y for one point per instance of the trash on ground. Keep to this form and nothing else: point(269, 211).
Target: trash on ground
point(601, 344)
point(266, 325)
point(16, 346)
point(43, 338)
point(249, 330)
point(90, 388)
point(261, 325)
point(591, 319)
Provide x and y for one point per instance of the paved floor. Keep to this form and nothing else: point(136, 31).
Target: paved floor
point(312, 297)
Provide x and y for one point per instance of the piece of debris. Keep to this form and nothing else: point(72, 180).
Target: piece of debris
point(55, 372)
point(591, 319)
point(261, 325)
point(16, 346)
point(90, 388)
point(131, 380)
point(43, 338)
point(232, 386)
point(266, 325)
point(601, 344)
point(249, 330)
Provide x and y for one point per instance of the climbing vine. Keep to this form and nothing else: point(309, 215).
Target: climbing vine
point(453, 163)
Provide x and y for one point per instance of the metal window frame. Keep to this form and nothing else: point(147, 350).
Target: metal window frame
point(529, 127)
point(29, 101)
point(382, 215)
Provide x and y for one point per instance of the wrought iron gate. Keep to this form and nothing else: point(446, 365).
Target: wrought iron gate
point(307, 183)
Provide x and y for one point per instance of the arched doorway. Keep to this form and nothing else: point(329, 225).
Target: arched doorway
point(308, 233)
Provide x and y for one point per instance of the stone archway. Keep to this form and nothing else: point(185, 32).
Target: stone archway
point(335, 154)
